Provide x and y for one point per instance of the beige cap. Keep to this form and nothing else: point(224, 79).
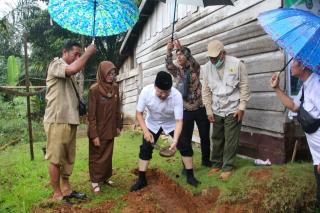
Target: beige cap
point(214, 48)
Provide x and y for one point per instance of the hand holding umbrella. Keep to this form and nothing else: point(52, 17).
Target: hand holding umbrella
point(274, 81)
point(170, 47)
point(91, 49)
point(173, 45)
point(177, 44)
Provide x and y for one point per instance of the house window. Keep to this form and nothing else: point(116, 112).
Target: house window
point(295, 85)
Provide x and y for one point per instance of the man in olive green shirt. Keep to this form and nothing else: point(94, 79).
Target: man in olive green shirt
point(225, 95)
point(62, 116)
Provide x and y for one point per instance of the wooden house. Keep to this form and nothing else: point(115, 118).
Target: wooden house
point(266, 132)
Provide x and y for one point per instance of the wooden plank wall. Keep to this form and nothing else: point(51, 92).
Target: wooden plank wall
point(130, 87)
point(239, 30)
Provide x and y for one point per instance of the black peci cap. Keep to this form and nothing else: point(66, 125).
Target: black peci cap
point(163, 80)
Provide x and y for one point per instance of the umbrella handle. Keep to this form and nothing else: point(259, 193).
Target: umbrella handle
point(174, 18)
point(284, 67)
point(93, 40)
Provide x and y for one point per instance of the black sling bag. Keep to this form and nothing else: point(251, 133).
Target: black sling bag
point(307, 122)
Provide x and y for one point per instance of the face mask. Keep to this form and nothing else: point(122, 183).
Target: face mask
point(219, 63)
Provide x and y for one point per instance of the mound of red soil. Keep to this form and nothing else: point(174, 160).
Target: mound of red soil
point(161, 195)
point(164, 195)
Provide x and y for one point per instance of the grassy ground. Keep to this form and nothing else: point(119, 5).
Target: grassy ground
point(24, 184)
point(14, 122)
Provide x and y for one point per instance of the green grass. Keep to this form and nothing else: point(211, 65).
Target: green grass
point(24, 183)
point(14, 121)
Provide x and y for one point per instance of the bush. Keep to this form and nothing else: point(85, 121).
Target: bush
point(288, 191)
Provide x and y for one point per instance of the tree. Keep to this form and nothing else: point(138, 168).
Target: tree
point(47, 38)
point(12, 26)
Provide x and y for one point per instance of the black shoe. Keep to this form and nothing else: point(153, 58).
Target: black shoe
point(66, 200)
point(77, 195)
point(193, 181)
point(207, 163)
point(184, 171)
point(138, 185)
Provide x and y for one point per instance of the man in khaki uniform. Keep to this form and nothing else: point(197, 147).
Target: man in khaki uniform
point(225, 95)
point(62, 116)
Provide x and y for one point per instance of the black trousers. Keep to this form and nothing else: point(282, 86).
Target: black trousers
point(146, 148)
point(185, 141)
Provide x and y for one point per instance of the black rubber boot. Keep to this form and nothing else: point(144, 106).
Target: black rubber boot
point(141, 182)
point(191, 179)
point(183, 171)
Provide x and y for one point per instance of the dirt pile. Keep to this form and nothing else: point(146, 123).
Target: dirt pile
point(161, 195)
point(164, 195)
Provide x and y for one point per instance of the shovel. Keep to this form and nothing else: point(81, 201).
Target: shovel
point(163, 151)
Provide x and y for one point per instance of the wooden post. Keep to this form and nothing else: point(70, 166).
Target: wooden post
point(28, 97)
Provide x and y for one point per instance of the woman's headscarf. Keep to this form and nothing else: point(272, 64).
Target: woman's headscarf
point(106, 89)
point(187, 53)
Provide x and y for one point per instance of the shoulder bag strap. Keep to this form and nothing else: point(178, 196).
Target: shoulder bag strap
point(74, 87)
point(302, 96)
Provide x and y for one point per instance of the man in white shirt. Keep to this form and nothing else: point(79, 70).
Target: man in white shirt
point(164, 107)
point(311, 104)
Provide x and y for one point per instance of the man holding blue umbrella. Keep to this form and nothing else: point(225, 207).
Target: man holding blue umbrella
point(86, 17)
point(298, 32)
point(308, 99)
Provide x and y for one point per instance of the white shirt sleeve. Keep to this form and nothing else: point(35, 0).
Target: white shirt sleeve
point(296, 98)
point(315, 98)
point(178, 107)
point(142, 100)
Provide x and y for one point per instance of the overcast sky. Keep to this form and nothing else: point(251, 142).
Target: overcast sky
point(8, 5)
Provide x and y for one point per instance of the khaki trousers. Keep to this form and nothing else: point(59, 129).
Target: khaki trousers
point(61, 146)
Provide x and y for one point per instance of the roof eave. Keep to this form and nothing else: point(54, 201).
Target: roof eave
point(146, 8)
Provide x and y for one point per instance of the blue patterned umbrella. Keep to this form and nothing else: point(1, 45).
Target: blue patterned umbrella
point(94, 17)
point(296, 31)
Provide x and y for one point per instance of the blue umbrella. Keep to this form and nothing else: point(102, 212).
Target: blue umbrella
point(94, 17)
point(296, 31)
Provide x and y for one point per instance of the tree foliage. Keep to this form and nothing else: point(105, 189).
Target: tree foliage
point(46, 39)
point(12, 26)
